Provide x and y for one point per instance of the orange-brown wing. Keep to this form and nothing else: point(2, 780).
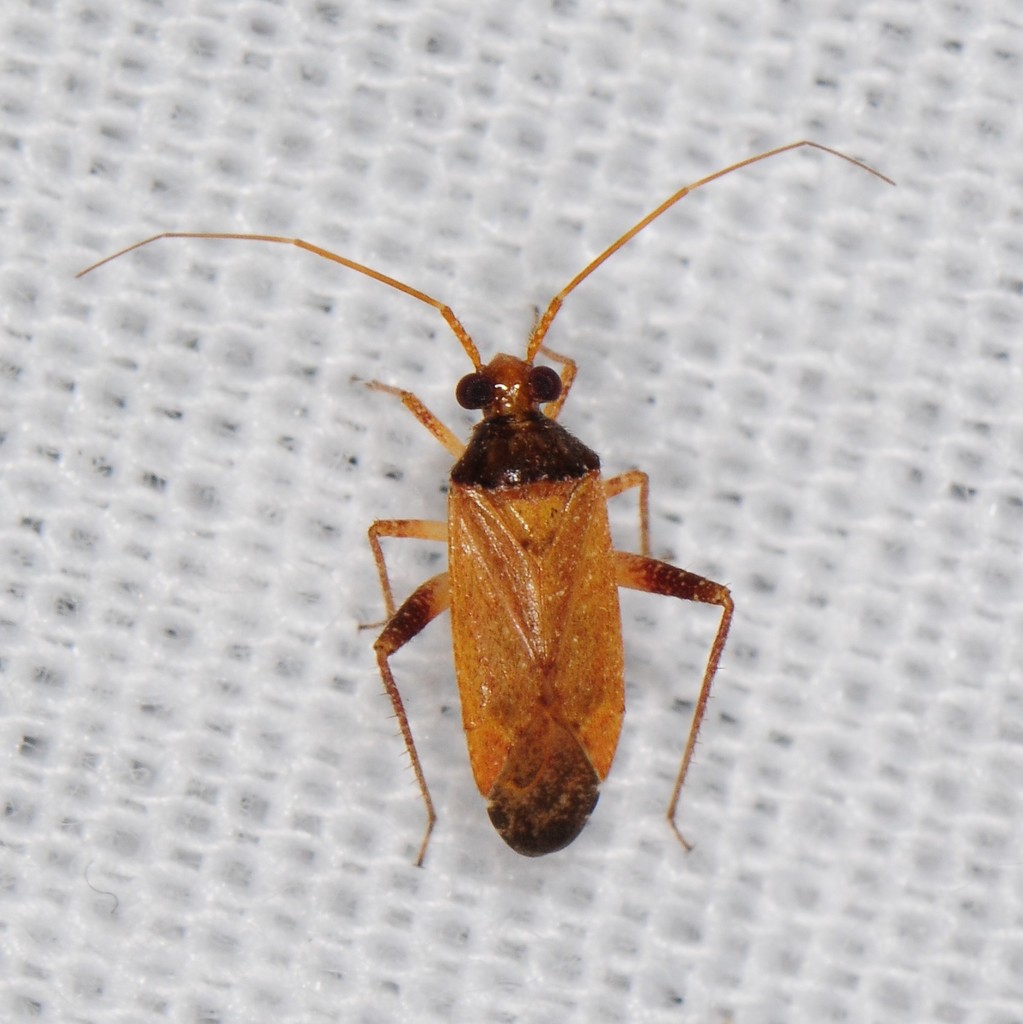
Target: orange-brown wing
point(535, 618)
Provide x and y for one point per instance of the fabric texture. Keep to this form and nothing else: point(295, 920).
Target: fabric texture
point(208, 811)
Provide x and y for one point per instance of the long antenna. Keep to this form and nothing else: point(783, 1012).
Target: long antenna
point(445, 311)
point(544, 323)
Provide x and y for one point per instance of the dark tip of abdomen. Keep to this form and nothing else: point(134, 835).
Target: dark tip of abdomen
point(534, 831)
point(545, 792)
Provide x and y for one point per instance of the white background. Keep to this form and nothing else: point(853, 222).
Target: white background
point(208, 815)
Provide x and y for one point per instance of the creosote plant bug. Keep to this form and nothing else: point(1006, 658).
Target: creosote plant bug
point(532, 579)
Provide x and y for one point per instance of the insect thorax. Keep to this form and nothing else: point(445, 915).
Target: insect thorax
point(507, 451)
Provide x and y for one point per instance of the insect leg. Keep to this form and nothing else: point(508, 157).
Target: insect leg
point(624, 482)
point(445, 435)
point(568, 372)
point(415, 529)
point(426, 603)
point(639, 573)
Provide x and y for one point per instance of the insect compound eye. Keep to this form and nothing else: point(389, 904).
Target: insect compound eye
point(544, 384)
point(474, 391)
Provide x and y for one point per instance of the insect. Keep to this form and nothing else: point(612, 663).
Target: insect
point(532, 578)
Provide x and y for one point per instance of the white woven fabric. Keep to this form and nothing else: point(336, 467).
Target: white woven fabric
point(208, 812)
